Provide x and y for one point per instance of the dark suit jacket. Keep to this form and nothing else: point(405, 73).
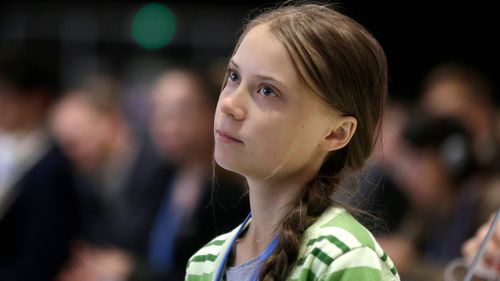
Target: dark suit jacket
point(127, 226)
point(221, 209)
point(36, 230)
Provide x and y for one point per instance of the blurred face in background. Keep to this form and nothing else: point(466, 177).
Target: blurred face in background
point(182, 117)
point(85, 133)
point(426, 181)
point(453, 98)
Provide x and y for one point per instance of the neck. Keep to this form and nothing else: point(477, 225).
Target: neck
point(120, 148)
point(269, 203)
point(272, 198)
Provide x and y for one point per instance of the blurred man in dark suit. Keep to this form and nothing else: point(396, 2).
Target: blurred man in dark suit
point(37, 205)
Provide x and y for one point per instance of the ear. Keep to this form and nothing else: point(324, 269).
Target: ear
point(340, 134)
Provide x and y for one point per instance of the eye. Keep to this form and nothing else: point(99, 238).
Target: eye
point(233, 76)
point(267, 92)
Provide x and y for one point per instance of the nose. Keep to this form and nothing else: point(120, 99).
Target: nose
point(233, 104)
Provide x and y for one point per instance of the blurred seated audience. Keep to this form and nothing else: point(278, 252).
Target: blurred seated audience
point(434, 178)
point(190, 212)
point(200, 203)
point(120, 180)
point(38, 217)
point(461, 92)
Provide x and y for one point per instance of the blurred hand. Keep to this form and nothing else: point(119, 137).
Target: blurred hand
point(90, 263)
point(491, 258)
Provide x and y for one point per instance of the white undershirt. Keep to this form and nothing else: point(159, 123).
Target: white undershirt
point(242, 272)
point(18, 153)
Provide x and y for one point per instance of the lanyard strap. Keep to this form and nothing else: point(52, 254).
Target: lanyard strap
point(263, 257)
point(220, 270)
point(265, 254)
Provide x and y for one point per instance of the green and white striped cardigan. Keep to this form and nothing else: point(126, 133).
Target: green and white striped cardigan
point(335, 247)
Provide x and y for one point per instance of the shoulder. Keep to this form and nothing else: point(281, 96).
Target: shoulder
point(338, 247)
point(204, 261)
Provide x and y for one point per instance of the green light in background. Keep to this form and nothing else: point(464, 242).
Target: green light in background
point(153, 26)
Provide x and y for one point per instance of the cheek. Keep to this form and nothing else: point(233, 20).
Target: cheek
point(273, 142)
point(95, 140)
point(217, 115)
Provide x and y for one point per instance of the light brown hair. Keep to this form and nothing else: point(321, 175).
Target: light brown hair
point(346, 67)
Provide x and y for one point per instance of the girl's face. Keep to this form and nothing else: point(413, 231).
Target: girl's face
point(267, 122)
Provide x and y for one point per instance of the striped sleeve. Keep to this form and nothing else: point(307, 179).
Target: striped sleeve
point(329, 264)
point(200, 266)
point(339, 248)
point(361, 264)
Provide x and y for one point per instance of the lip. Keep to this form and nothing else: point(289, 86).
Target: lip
point(226, 137)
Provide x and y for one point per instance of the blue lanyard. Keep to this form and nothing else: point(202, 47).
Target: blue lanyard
point(265, 254)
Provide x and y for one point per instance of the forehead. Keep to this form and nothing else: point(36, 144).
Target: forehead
point(76, 104)
point(260, 53)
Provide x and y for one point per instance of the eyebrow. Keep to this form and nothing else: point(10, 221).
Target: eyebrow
point(233, 63)
point(262, 77)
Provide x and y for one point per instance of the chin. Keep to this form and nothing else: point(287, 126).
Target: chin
point(227, 163)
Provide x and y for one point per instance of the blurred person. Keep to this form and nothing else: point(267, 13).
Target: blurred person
point(120, 180)
point(440, 187)
point(38, 217)
point(182, 105)
point(442, 158)
point(463, 93)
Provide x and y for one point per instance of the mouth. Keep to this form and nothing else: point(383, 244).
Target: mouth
point(226, 137)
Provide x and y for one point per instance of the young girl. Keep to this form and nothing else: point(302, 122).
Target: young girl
point(300, 106)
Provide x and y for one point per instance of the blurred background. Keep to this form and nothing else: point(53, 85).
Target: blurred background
point(93, 185)
point(416, 35)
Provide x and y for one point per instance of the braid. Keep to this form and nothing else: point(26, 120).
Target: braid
point(315, 198)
